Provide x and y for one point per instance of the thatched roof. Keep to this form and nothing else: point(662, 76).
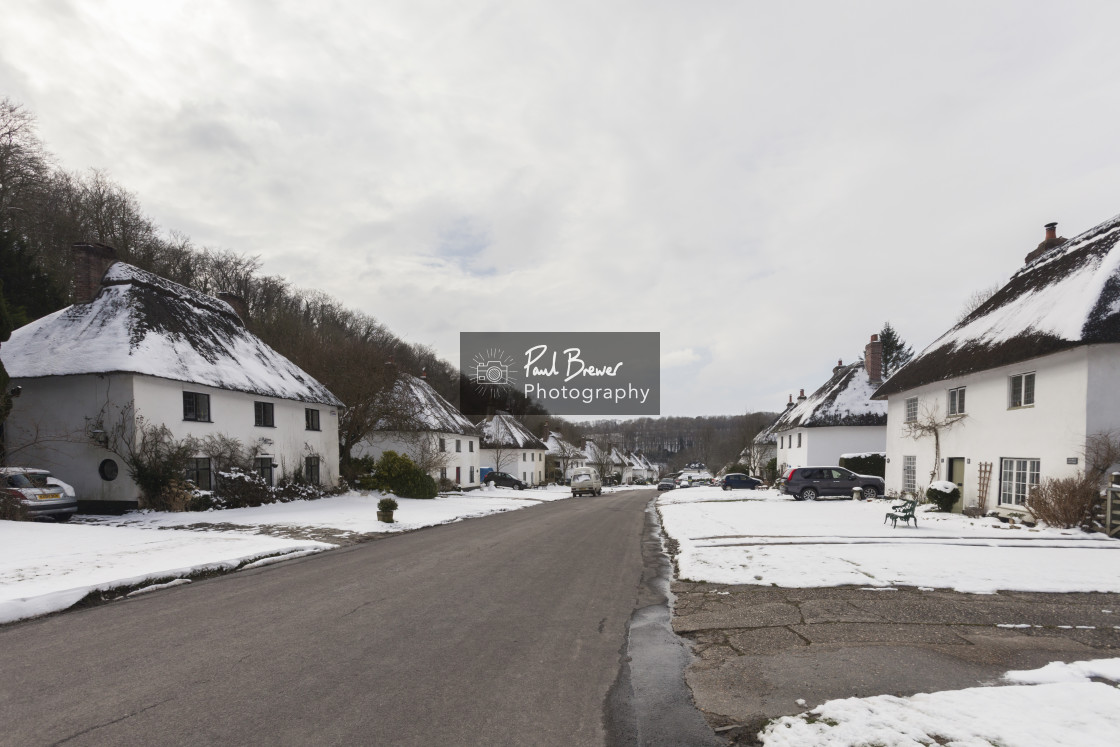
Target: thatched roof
point(143, 324)
point(845, 399)
point(1066, 296)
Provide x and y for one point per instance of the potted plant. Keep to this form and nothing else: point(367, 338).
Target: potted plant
point(385, 509)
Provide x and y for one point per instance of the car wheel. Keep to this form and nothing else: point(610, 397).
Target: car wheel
point(870, 493)
point(520, 487)
point(62, 517)
point(809, 494)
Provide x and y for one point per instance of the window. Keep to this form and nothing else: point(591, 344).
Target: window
point(311, 419)
point(910, 473)
point(311, 469)
point(263, 466)
point(196, 407)
point(472, 470)
point(458, 445)
point(198, 472)
point(470, 445)
point(443, 445)
point(1017, 477)
point(443, 473)
point(524, 458)
point(911, 409)
point(799, 440)
point(263, 414)
point(1022, 390)
point(956, 401)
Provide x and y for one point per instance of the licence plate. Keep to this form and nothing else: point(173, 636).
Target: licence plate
point(49, 496)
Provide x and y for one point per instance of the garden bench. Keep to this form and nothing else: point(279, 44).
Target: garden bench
point(904, 511)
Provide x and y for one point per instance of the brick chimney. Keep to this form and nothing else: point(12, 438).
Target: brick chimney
point(801, 397)
point(838, 366)
point(90, 263)
point(790, 403)
point(873, 360)
point(1052, 240)
point(237, 303)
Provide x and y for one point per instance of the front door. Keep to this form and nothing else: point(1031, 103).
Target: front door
point(956, 476)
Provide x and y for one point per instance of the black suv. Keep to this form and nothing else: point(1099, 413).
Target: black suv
point(504, 480)
point(806, 483)
point(739, 481)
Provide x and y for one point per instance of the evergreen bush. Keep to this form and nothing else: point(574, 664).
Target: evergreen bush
point(866, 464)
point(386, 504)
point(945, 500)
point(396, 473)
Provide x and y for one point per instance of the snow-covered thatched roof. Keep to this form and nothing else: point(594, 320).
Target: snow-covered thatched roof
point(416, 406)
point(845, 399)
point(1068, 295)
point(141, 323)
point(503, 431)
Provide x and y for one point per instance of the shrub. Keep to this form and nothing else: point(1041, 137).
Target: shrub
point(12, 508)
point(397, 474)
point(866, 464)
point(386, 504)
point(239, 489)
point(1067, 502)
point(446, 485)
point(945, 499)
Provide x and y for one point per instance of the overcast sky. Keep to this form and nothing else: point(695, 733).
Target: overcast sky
point(762, 183)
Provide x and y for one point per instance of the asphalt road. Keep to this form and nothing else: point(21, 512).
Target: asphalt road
point(507, 629)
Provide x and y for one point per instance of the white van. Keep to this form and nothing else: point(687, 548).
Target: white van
point(586, 480)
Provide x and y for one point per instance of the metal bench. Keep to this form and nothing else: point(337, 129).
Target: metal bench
point(904, 511)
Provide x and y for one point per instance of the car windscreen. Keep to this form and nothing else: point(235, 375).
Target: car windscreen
point(582, 478)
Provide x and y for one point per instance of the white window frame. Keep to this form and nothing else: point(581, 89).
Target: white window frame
point(911, 410)
point(957, 401)
point(910, 474)
point(1017, 475)
point(1021, 390)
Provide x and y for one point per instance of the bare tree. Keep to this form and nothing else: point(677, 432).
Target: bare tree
point(930, 423)
point(976, 300)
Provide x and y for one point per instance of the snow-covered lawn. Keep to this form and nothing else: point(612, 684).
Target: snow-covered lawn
point(48, 567)
point(763, 537)
point(1057, 705)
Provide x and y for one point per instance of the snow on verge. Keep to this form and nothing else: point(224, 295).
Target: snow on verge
point(1069, 711)
point(48, 567)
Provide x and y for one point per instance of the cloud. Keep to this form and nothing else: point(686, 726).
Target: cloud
point(765, 185)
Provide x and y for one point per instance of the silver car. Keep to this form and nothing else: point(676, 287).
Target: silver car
point(41, 494)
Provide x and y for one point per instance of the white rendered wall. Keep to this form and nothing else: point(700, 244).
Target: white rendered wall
point(526, 465)
point(232, 414)
point(377, 443)
point(1052, 430)
point(47, 428)
point(822, 447)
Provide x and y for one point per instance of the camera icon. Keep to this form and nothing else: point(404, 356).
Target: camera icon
point(492, 372)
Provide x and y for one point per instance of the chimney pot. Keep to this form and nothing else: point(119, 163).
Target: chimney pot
point(1051, 231)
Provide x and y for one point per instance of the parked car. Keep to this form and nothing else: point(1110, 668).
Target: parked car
point(808, 483)
point(585, 480)
point(739, 481)
point(503, 479)
point(666, 484)
point(42, 494)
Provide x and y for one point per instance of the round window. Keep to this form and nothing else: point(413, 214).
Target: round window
point(108, 470)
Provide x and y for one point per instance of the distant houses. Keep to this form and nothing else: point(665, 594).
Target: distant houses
point(1014, 392)
point(429, 430)
point(839, 417)
point(508, 446)
point(137, 350)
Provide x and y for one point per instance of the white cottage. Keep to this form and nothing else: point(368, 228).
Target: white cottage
point(137, 346)
point(508, 446)
point(838, 418)
point(1012, 392)
point(429, 430)
point(562, 457)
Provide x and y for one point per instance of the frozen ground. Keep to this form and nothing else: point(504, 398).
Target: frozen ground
point(48, 567)
point(763, 537)
point(1058, 705)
